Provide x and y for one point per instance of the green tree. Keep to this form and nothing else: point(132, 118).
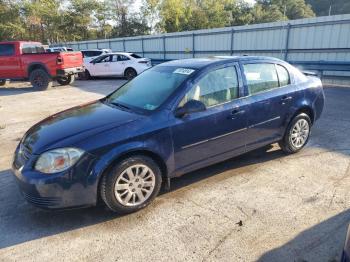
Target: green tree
point(11, 23)
point(329, 7)
point(290, 9)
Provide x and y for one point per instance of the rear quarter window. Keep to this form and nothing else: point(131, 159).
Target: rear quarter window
point(283, 75)
point(7, 49)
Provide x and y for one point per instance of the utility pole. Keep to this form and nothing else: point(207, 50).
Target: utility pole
point(330, 8)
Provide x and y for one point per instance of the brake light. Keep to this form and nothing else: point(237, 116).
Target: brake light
point(59, 60)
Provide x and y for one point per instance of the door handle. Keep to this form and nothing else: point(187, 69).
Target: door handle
point(285, 99)
point(235, 112)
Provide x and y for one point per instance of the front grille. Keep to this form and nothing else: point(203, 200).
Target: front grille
point(42, 201)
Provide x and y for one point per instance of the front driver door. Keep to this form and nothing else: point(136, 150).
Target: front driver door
point(101, 66)
point(218, 132)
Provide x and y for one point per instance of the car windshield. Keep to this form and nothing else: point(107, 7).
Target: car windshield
point(150, 89)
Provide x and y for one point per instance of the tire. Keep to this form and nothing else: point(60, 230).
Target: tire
point(297, 134)
point(130, 73)
point(40, 79)
point(87, 75)
point(127, 199)
point(68, 80)
point(4, 82)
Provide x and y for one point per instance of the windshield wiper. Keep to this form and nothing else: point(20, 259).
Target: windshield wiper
point(120, 105)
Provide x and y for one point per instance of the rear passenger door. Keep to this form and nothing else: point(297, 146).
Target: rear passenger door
point(118, 65)
point(269, 95)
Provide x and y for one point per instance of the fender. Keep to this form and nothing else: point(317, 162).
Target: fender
point(104, 162)
point(34, 65)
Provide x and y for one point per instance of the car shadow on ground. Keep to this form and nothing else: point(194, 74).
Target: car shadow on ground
point(315, 243)
point(25, 222)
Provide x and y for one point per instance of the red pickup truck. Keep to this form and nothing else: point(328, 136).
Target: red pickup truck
point(21, 60)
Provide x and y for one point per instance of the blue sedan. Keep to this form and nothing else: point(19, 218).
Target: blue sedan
point(172, 119)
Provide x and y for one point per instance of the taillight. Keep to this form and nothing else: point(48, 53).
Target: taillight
point(59, 60)
point(143, 62)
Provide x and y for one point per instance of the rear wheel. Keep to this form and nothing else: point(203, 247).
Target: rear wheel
point(131, 185)
point(130, 73)
point(40, 79)
point(4, 82)
point(67, 80)
point(297, 134)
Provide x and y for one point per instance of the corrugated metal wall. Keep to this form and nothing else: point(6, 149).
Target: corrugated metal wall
point(312, 39)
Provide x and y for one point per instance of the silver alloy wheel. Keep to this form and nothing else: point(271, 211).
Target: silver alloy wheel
point(299, 133)
point(135, 185)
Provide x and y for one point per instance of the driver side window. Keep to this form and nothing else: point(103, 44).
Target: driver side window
point(216, 87)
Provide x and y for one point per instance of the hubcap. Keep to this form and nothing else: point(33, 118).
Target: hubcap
point(135, 185)
point(300, 133)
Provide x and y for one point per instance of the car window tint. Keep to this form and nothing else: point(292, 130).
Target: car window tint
point(102, 59)
point(135, 56)
point(114, 58)
point(260, 77)
point(33, 49)
point(122, 58)
point(7, 49)
point(283, 75)
point(216, 87)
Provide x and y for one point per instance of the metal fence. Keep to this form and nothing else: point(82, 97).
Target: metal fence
point(322, 42)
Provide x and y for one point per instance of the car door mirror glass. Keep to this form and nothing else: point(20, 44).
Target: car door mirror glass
point(192, 106)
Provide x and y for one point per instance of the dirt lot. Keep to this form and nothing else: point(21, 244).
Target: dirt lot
point(261, 206)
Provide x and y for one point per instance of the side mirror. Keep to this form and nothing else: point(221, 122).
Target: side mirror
point(191, 106)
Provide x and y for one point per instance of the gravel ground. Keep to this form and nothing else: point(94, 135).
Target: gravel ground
point(263, 206)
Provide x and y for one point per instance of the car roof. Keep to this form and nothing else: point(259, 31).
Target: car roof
point(104, 49)
point(198, 63)
point(119, 53)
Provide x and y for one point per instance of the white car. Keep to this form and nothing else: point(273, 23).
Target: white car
point(58, 49)
point(91, 54)
point(127, 65)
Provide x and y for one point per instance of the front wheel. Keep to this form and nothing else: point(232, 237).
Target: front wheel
point(297, 134)
point(131, 184)
point(3, 82)
point(66, 80)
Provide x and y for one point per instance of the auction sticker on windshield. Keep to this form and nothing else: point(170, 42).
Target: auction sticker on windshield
point(184, 71)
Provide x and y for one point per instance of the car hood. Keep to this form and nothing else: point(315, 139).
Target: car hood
point(73, 125)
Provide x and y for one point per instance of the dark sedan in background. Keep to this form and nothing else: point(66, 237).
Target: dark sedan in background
point(172, 119)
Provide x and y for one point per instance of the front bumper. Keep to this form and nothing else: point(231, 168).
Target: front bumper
point(69, 71)
point(76, 187)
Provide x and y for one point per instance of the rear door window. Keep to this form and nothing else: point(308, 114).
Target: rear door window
point(7, 49)
point(260, 77)
point(122, 58)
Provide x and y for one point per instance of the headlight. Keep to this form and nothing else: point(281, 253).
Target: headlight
point(58, 160)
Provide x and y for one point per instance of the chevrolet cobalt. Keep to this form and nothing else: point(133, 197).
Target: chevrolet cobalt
point(174, 118)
